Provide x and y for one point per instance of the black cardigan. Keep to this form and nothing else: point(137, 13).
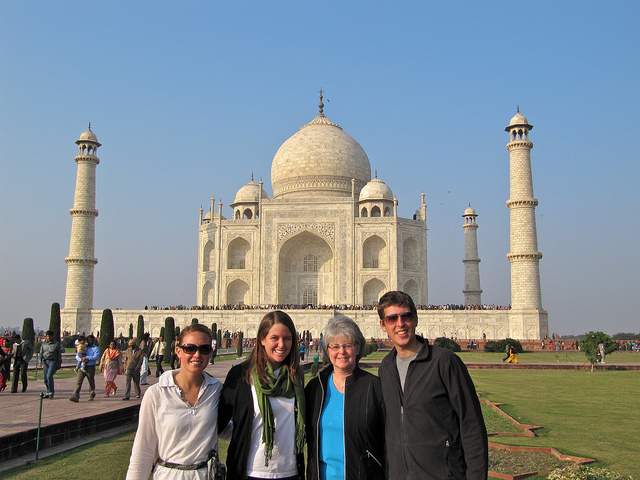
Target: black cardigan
point(363, 425)
point(236, 403)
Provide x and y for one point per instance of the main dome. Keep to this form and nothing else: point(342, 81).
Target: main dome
point(320, 159)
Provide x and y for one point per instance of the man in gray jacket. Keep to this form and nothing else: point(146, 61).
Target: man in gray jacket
point(51, 358)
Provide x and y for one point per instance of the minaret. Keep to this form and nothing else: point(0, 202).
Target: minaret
point(472, 291)
point(81, 259)
point(523, 239)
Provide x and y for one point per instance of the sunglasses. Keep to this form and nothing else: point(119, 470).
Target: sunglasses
point(393, 318)
point(190, 348)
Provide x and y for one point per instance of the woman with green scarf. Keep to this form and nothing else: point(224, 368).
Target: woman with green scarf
point(264, 398)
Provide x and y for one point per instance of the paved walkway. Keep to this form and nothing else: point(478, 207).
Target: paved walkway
point(20, 410)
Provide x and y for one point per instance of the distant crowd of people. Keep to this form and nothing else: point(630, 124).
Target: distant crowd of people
point(342, 306)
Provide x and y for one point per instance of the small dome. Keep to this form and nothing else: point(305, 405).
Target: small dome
point(469, 211)
point(249, 193)
point(376, 189)
point(88, 136)
point(518, 120)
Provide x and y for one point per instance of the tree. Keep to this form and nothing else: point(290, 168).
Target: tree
point(177, 332)
point(130, 331)
point(219, 338)
point(589, 345)
point(28, 332)
point(162, 332)
point(214, 332)
point(170, 332)
point(240, 342)
point(140, 329)
point(194, 321)
point(54, 321)
point(106, 329)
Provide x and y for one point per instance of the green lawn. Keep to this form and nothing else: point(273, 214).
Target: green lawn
point(585, 414)
point(532, 357)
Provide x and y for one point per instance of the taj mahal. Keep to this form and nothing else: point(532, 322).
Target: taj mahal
point(327, 240)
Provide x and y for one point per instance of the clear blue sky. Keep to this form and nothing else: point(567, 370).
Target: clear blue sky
point(188, 98)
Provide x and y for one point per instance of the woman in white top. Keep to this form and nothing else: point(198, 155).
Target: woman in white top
point(264, 397)
point(177, 432)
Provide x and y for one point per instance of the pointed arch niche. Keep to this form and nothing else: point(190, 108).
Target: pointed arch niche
point(238, 254)
point(237, 293)
point(207, 293)
point(372, 291)
point(410, 287)
point(306, 271)
point(208, 256)
point(410, 257)
point(374, 253)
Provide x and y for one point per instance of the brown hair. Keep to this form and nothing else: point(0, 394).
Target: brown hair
point(258, 358)
point(194, 327)
point(396, 298)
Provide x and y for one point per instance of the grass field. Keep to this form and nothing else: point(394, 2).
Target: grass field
point(585, 414)
point(533, 357)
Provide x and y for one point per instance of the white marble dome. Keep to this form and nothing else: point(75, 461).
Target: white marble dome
point(469, 211)
point(518, 119)
point(87, 136)
point(320, 159)
point(376, 189)
point(249, 193)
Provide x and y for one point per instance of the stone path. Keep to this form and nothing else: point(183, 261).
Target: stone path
point(20, 410)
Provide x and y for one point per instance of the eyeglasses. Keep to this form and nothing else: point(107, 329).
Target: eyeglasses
point(191, 349)
point(405, 316)
point(340, 346)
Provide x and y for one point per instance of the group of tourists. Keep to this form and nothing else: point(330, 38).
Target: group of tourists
point(419, 419)
point(20, 351)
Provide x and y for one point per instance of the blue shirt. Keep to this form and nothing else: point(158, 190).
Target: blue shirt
point(332, 434)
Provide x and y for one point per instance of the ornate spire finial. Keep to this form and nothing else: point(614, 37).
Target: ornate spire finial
point(375, 173)
point(518, 108)
point(89, 126)
point(321, 105)
point(252, 175)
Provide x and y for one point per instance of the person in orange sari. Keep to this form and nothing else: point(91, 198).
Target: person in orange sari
point(111, 366)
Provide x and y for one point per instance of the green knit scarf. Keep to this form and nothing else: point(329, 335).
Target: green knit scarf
point(280, 386)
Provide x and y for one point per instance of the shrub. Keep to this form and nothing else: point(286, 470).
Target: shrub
point(501, 345)
point(54, 321)
point(194, 321)
point(162, 332)
point(448, 343)
point(170, 331)
point(106, 329)
point(130, 331)
point(584, 472)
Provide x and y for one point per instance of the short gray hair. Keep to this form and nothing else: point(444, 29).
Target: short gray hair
point(343, 325)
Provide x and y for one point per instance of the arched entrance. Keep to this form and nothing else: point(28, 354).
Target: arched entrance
point(305, 271)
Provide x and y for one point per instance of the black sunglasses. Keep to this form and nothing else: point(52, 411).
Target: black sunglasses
point(392, 318)
point(190, 348)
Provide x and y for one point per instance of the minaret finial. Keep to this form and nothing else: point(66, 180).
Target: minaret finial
point(375, 173)
point(518, 108)
point(252, 175)
point(89, 125)
point(321, 105)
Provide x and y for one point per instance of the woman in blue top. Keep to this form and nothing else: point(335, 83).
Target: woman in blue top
point(345, 413)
